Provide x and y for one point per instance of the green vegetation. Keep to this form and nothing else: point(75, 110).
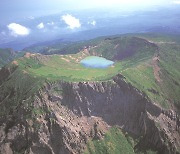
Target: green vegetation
point(64, 48)
point(57, 67)
point(133, 57)
point(114, 142)
point(142, 75)
point(149, 62)
point(123, 48)
point(38, 111)
point(148, 152)
point(170, 72)
point(6, 55)
point(16, 88)
point(68, 67)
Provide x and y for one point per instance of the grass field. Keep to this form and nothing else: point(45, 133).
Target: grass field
point(67, 67)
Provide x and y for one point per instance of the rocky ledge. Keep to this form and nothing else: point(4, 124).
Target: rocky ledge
point(62, 116)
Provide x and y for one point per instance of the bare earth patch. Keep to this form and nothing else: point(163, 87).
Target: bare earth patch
point(116, 46)
point(161, 42)
point(25, 72)
point(156, 68)
point(65, 59)
point(27, 55)
point(15, 62)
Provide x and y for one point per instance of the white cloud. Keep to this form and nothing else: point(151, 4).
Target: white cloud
point(176, 2)
point(31, 17)
point(40, 26)
point(18, 30)
point(92, 23)
point(71, 21)
point(50, 23)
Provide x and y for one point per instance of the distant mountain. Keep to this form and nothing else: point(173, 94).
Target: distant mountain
point(105, 23)
point(52, 104)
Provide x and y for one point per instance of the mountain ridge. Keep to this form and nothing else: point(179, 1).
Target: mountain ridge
point(46, 111)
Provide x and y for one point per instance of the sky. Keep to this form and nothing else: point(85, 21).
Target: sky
point(29, 18)
point(19, 8)
point(7, 6)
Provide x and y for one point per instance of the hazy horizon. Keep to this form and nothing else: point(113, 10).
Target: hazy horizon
point(21, 8)
point(29, 22)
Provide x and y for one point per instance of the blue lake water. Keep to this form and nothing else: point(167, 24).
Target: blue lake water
point(96, 62)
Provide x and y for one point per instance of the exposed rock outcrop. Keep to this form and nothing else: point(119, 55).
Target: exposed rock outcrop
point(63, 116)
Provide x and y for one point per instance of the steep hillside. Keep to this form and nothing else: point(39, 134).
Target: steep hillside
point(6, 56)
point(52, 104)
point(142, 59)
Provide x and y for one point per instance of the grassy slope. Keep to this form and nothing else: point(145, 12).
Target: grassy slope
point(33, 71)
point(142, 75)
point(6, 55)
point(137, 67)
point(114, 142)
point(124, 47)
point(66, 68)
point(15, 86)
point(63, 48)
point(170, 62)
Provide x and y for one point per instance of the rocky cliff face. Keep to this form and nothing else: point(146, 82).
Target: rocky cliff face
point(63, 116)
